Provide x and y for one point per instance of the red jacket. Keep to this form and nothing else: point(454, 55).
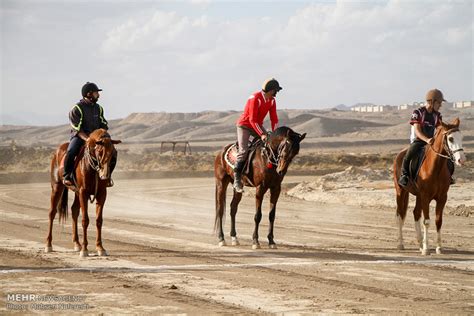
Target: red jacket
point(255, 111)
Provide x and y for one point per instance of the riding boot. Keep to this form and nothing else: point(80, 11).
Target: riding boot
point(403, 180)
point(238, 186)
point(68, 166)
point(113, 162)
point(451, 171)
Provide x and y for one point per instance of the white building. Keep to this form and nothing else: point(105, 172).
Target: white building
point(463, 104)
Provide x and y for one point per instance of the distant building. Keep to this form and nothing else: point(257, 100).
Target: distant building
point(368, 108)
point(463, 104)
point(405, 106)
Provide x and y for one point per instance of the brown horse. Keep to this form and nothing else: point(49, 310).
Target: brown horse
point(91, 173)
point(268, 168)
point(432, 182)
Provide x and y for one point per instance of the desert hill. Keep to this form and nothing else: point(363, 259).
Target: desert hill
point(220, 126)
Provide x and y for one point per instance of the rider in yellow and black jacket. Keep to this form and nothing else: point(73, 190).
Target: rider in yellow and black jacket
point(85, 117)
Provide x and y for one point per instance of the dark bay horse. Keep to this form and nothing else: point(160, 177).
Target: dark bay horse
point(432, 183)
point(268, 168)
point(91, 173)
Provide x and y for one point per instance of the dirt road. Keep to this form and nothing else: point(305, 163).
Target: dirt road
point(164, 257)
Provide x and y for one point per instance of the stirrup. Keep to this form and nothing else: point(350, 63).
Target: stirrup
point(110, 183)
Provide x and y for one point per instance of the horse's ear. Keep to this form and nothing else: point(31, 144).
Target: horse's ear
point(115, 142)
point(446, 126)
point(456, 122)
point(302, 136)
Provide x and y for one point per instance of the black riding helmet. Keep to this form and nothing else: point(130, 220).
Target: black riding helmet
point(271, 84)
point(89, 87)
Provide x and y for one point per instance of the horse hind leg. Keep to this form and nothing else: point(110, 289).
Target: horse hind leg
point(221, 188)
point(56, 193)
point(234, 204)
point(402, 205)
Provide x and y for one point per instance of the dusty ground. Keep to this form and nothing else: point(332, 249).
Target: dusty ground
point(332, 257)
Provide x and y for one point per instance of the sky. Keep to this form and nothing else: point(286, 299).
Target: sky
point(191, 56)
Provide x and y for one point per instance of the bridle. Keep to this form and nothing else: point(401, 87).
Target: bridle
point(93, 162)
point(274, 158)
point(450, 152)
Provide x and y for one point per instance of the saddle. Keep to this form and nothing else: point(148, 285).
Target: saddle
point(415, 164)
point(230, 156)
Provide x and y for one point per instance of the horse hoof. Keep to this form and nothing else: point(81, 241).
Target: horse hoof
point(235, 241)
point(222, 243)
point(438, 251)
point(77, 248)
point(425, 252)
point(272, 246)
point(401, 247)
point(48, 249)
point(256, 246)
point(84, 254)
point(102, 253)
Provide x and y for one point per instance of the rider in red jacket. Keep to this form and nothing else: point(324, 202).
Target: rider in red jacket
point(250, 123)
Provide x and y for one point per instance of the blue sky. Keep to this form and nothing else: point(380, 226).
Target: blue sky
point(188, 56)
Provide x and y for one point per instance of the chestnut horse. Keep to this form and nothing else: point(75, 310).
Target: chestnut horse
point(91, 175)
point(268, 168)
point(432, 183)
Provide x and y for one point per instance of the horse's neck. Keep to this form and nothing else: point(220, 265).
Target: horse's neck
point(434, 162)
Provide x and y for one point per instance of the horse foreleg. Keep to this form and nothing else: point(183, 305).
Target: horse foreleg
point(75, 208)
point(85, 222)
point(425, 207)
point(440, 203)
point(402, 205)
point(101, 196)
point(274, 195)
point(233, 212)
point(258, 215)
point(417, 215)
point(56, 192)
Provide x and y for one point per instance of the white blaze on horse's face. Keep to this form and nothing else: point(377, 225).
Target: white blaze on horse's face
point(455, 145)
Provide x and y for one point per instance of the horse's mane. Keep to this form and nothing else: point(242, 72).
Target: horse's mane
point(98, 134)
point(282, 131)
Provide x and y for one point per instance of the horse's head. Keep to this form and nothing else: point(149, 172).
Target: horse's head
point(101, 149)
point(285, 144)
point(452, 139)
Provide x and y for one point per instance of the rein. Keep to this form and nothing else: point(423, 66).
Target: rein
point(94, 163)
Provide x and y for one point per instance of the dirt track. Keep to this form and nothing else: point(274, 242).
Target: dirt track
point(164, 257)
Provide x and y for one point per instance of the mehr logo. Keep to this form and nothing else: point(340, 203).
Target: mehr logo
point(21, 297)
point(414, 116)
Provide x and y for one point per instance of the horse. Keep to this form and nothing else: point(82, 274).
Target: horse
point(267, 170)
point(432, 183)
point(91, 176)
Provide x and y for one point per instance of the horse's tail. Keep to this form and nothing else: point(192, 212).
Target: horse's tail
point(62, 207)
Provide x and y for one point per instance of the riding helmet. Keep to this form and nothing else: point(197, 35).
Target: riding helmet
point(435, 95)
point(89, 87)
point(271, 84)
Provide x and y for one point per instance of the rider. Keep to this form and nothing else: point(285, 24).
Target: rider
point(250, 123)
point(424, 121)
point(86, 116)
